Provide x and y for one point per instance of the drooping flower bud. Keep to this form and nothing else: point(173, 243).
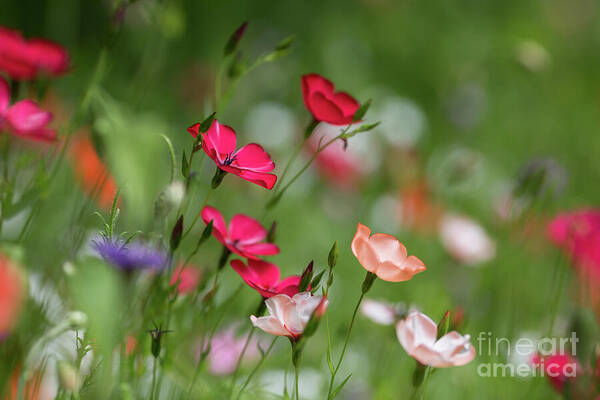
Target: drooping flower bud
point(368, 282)
point(218, 178)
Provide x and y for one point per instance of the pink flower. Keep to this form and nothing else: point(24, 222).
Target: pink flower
point(188, 278)
point(251, 162)
point(324, 103)
point(12, 294)
point(466, 240)
point(384, 255)
point(22, 59)
point(290, 315)
point(559, 368)
point(579, 234)
point(418, 335)
point(343, 166)
point(24, 119)
point(380, 312)
point(226, 349)
point(263, 277)
point(244, 236)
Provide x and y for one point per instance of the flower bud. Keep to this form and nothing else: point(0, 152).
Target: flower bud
point(368, 282)
point(306, 278)
point(176, 234)
point(77, 319)
point(206, 233)
point(272, 232)
point(314, 284)
point(156, 335)
point(235, 38)
point(443, 325)
point(69, 377)
point(69, 268)
point(174, 194)
point(333, 255)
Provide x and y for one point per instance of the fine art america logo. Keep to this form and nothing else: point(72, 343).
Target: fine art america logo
point(526, 356)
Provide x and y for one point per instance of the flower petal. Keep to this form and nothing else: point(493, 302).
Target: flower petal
point(261, 249)
point(270, 325)
point(25, 116)
point(222, 138)
point(253, 157)
point(4, 96)
point(246, 230)
point(260, 178)
point(219, 228)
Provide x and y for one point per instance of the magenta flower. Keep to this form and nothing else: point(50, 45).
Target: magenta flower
point(263, 277)
point(578, 233)
point(244, 236)
point(24, 119)
point(251, 162)
point(28, 59)
point(324, 103)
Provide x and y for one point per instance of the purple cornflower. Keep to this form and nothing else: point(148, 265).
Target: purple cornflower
point(130, 256)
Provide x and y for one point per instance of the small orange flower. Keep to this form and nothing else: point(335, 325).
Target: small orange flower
point(91, 172)
point(384, 256)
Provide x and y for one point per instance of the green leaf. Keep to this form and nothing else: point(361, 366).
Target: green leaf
point(362, 128)
point(362, 110)
point(235, 38)
point(185, 166)
point(340, 387)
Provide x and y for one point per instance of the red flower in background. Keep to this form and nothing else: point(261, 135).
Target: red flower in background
point(559, 368)
point(12, 294)
point(579, 234)
point(24, 119)
point(263, 277)
point(91, 172)
point(28, 59)
point(244, 236)
point(186, 278)
point(251, 162)
point(324, 103)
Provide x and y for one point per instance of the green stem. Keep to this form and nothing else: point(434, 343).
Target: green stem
point(153, 379)
point(427, 378)
point(256, 368)
point(554, 310)
point(290, 162)
point(296, 373)
point(189, 229)
point(335, 371)
point(240, 359)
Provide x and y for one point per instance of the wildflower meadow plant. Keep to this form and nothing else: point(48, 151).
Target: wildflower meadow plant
point(149, 250)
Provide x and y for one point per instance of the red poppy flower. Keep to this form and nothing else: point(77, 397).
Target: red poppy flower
point(244, 236)
point(263, 277)
point(12, 294)
point(24, 119)
point(250, 162)
point(324, 103)
point(92, 173)
point(22, 59)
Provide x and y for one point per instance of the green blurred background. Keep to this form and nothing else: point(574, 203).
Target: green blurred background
point(508, 81)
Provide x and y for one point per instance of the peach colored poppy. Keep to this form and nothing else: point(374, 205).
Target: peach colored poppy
point(384, 256)
point(418, 335)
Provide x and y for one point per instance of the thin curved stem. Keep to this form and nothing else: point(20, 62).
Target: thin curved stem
point(189, 229)
point(256, 368)
point(239, 360)
point(339, 363)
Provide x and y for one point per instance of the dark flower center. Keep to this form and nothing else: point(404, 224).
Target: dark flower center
point(229, 159)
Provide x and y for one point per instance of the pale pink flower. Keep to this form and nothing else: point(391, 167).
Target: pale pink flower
point(384, 255)
point(225, 350)
point(289, 315)
point(418, 335)
point(466, 240)
point(380, 312)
